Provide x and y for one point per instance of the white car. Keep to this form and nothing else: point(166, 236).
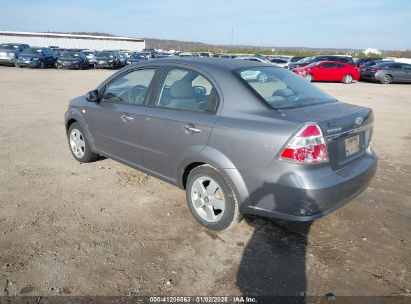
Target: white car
point(255, 58)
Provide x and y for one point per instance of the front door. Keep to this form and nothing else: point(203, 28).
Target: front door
point(114, 122)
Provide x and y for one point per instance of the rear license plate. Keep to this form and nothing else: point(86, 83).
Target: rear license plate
point(352, 145)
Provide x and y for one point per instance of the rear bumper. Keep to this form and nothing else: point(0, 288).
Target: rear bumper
point(299, 193)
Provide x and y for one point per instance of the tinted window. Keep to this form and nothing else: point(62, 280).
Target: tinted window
point(283, 89)
point(186, 90)
point(397, 66)
point(329, 65)
point(406, 67)
point(130, 88)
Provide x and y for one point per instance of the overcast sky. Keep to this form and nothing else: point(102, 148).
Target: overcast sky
point(384, 24)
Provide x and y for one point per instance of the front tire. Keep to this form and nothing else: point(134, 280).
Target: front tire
point(211, 199)
point(79, 146)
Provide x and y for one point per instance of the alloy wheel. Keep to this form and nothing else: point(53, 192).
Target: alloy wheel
point(208, 199)
point(77, 143)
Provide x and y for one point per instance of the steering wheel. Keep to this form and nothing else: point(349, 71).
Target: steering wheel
point(136, 94)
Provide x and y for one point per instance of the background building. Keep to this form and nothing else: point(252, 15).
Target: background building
point(73, 41)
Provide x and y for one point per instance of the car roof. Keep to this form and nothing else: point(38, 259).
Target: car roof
point(221, 63)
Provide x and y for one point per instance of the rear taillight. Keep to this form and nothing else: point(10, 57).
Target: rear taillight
point(306, 147)
point(375, 70)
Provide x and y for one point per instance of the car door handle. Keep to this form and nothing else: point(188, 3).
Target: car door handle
point(190, 129)
point(126, 117)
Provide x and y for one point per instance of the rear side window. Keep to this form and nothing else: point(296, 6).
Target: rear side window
point(397, 66)
point(329, 65)
point(406, 67)
point(280, 88)
point(187, 90)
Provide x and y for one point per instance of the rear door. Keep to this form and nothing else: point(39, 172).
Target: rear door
point(397, 72)
point(179, 122)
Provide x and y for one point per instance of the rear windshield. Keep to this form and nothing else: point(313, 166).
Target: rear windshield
point(282, 89)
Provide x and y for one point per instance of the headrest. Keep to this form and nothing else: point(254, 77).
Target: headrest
point(181, 89)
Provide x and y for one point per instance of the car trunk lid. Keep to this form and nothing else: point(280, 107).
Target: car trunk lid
point(346, 128)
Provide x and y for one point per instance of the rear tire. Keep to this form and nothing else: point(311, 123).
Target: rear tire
point(309, 77)
point(211, 199)
point(386, 79)
point(79, 146)
point(347, 79)
point(41, 65)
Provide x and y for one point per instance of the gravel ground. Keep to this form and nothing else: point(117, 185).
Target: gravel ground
point(105, 229)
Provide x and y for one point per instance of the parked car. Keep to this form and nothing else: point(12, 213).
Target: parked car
point(282, 62)
point(57, 52)
point(9, 52)
point(254, 58)
point(36, 57)
point(72, 60)
point(372, 63)
point(281, 149)
point(186, 54)
point(309, 60)
point(107, 59)
point(137, 57)
point(329, 71)
point(359, 62)
point(294, 59)
point(388, 72)
point(90, 55)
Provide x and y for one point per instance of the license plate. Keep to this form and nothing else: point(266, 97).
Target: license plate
point(352, 145)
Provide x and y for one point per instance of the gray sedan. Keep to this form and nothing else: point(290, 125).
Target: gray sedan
point(280, 148)
point(387, 72)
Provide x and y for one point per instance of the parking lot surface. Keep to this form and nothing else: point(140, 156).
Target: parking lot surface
point(105, 229)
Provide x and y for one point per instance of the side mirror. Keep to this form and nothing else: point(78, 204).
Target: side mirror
point(199, 90)
point(92, 96)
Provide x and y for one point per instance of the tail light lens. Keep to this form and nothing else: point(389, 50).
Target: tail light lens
point(306, 147)
point(374, 70)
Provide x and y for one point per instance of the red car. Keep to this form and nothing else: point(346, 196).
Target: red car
point(329, 71)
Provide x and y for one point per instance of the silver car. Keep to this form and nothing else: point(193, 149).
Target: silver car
point(281, 148)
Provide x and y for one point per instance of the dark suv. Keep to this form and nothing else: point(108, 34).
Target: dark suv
point(309, 60)
point(9, 52)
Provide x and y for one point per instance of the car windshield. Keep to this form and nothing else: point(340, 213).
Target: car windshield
point(6, 46)
point(32, 51)
point(282, 89)
point(105, 54)
point(70, 55)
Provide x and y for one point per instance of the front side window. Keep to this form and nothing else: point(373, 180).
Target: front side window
point(283, 89)
point(131, 88)
point(407, 67)
point(187, 90)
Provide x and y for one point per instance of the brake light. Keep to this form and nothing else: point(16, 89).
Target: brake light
point(306, 147)
point(374, 70)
